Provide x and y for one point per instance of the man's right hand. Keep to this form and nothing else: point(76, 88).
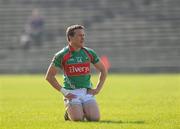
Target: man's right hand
point(67, 94)
point(70, 96)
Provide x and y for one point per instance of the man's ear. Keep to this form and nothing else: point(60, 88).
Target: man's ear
point(70, 38)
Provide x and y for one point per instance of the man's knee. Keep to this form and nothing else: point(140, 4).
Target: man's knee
point(93, 117)
point(76, 118)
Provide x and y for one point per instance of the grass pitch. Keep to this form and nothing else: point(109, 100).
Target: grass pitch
point(137, 101)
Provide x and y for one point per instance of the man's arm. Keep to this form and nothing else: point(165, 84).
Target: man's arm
point(102, 77)
point(50, 77)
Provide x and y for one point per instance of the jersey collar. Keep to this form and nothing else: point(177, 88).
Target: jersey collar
point(71, 49)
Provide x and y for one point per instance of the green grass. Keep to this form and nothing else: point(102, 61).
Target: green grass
point(127, 102)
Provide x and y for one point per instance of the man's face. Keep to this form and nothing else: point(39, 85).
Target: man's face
point(78, 39)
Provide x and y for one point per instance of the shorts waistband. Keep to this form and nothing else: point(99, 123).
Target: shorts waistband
point(75, 88)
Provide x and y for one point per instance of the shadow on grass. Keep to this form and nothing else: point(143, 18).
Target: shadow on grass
point(114, 122)
point(122, 122)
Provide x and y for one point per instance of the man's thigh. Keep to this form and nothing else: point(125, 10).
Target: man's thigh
point(91, 111)
point(75, 112)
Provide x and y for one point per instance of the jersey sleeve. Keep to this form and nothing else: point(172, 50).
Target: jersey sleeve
point(95, 58)
point(57, 59)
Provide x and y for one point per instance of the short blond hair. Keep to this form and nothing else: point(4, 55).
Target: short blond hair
point(70, 30)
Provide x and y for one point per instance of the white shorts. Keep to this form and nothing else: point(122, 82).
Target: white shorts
point(82, 97)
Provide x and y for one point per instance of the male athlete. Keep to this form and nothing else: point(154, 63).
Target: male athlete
point(75, 60)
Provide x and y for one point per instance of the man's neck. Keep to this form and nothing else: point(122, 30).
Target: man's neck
point(74, 47)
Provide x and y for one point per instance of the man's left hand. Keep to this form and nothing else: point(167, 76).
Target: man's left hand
point(93, 91)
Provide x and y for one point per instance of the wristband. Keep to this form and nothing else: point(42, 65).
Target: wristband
point(64, 91)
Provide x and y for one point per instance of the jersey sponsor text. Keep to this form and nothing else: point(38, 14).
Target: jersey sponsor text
point(77, 69)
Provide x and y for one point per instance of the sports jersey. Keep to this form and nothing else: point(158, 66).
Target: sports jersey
point(76, 66)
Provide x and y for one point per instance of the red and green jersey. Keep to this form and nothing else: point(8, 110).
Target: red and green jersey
point(76, 66)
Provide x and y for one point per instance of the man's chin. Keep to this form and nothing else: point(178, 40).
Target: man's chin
point(82, 45)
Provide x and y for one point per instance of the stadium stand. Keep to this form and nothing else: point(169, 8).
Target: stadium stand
point(137, 36)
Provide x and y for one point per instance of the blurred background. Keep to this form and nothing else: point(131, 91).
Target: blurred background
point(132, 36)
